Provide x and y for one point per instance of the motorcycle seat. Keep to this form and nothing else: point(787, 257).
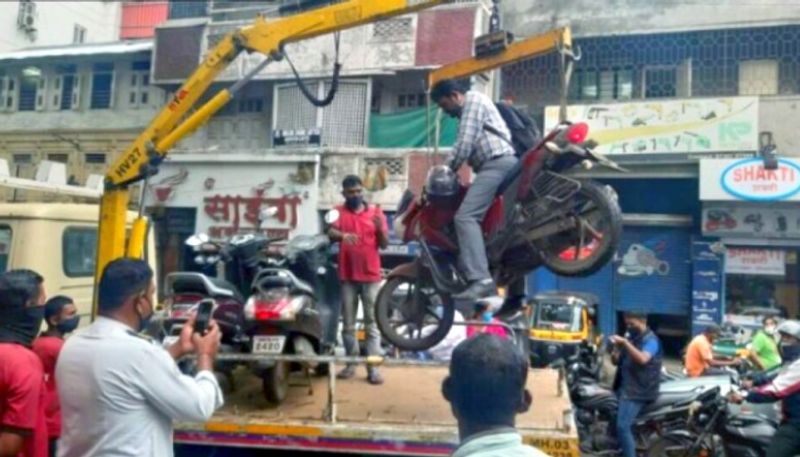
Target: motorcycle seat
point(674, 399)
point(197, 283)
point(275, 277)
point(509, 179)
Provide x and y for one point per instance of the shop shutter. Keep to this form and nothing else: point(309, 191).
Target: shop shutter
point(653, 270)
point(601, 285)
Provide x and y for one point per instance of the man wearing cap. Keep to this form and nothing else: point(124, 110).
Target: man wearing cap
point(700, 359)
point(783, 387)
point(638, 357)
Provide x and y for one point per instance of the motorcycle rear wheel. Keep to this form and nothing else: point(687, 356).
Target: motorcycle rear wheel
point(585, 249)
point(395, 310)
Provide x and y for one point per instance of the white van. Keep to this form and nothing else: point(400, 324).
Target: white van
point(59, 241)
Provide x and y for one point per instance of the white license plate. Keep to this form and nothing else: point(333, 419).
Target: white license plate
point(268, 344)
point(169, 341)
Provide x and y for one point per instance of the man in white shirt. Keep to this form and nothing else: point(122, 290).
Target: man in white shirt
point(121, 391)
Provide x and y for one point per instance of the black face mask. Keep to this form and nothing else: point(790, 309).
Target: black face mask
point(68, 325)
point(353, 203)
point(790, 352)
point(21, 325)
point(455, 112)
point(633, 331)
point(144, 321)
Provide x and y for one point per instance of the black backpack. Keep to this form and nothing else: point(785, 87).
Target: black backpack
point(524, 132)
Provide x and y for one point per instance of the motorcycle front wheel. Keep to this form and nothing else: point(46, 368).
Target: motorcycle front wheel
point(596, 220)
point(413, 316)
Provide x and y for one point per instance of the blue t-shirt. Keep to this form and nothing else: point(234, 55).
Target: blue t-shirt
point(650, 345)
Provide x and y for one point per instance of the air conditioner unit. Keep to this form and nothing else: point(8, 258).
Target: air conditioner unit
point(26, 20)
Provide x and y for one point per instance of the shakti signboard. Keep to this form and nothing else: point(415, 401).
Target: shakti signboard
point(749, 180)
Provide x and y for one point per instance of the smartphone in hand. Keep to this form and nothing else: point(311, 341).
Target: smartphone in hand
point(203, 318)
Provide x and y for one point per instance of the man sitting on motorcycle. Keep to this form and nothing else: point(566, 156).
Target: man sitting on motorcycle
point(491, 158)
point(700, 359)
point(784, 387)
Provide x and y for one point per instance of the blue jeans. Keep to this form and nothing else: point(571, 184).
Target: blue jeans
point(626, 416)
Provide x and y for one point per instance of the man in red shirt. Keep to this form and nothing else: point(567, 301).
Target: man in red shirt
point(23, 431)
point(62, 317)
point(361, 230)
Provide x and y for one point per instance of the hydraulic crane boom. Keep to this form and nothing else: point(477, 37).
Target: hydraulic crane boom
point(265, 36)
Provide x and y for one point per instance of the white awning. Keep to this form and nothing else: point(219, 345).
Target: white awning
point(118, 47)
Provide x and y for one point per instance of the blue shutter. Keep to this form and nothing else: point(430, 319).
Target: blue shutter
point(653, 270)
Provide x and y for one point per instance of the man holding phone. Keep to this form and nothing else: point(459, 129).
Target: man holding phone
point(638, 358)
point(119, 390)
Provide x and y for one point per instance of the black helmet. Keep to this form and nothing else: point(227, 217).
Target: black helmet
point(442, 182)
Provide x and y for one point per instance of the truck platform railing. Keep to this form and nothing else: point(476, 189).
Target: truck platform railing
point(378, 360)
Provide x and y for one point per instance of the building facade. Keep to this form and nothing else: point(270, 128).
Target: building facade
point(29, 23)
point(80, 104)
point(664, 88)
point(375, 127)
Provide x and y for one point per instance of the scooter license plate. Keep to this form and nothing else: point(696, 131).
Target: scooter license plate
point(268, 344)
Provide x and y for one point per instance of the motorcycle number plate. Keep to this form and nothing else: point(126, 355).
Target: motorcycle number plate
point(268, 344)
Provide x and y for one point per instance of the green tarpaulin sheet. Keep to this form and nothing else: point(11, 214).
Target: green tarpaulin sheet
point(407, 129)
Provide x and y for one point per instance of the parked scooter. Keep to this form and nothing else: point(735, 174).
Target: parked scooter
point(713, 429)
point(186, 289)
point(292, 310)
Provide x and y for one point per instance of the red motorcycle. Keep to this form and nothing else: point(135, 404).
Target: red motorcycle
point(539, 216)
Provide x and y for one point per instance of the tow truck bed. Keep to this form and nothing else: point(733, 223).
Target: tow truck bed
point(405, 416)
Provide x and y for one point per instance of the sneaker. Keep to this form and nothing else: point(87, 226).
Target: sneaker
point(477, 290)
point(348, 372)
point(374, 376)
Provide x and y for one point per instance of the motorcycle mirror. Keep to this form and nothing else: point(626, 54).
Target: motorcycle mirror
point(198, 239)
point(332, 216)
point(267, 213)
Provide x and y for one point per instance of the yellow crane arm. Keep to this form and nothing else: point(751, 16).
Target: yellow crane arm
point(265, 36)
point(530, 47)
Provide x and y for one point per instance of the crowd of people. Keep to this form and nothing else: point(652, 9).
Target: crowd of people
point(774, 351)
point(108, 390)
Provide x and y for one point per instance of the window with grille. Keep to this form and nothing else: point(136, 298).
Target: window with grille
point(64, 87)
point(251, 105)
point(23, 159)
point(660, 82)
point(61, 158)
point(396, 29)
point(758, 77)
point(707, 63)
point(342, 123)
point(139, 94)
point(102, 86)
point(609, 84)
point(29, 85)
point(344, 120)
point(395, 166)
point(407, 101)
point(94, 157)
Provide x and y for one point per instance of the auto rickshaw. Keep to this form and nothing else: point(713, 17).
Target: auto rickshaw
point(560, 322)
